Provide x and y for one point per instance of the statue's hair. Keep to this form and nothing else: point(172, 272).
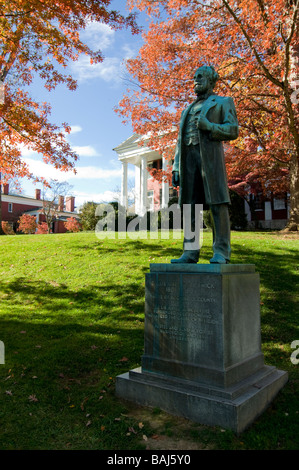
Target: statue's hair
point(211, 72)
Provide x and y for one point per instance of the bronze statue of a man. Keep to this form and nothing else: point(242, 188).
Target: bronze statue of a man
point(199, 167)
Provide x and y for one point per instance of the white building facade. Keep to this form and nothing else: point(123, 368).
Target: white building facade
point(149, 194)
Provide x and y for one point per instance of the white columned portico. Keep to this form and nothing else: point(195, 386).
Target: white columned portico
point(143, 185)
point(131, 152)
point(137, 188)
point(124, 185)
point(165, 187)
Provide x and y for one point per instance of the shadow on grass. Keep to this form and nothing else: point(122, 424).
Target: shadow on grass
point(57, 300)
point(116, 309)
point(134, 246)
point(70, 322)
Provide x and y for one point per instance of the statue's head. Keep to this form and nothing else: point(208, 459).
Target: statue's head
point(205, 79)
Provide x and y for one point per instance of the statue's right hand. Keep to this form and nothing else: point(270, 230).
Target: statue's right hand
point(175, 179)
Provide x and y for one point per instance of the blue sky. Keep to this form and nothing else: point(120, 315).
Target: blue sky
point(96, 128)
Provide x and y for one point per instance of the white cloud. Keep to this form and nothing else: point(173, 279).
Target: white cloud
point(75, 129)
point(85, 151)
point(82, 197)
point(26, 151)
point(81, 150)
point(108, 70)
point(98, 35)
point(92, 172)
point(39, 168)
point(129, 52)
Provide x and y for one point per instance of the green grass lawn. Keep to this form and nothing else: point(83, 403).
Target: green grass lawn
point(72, 318)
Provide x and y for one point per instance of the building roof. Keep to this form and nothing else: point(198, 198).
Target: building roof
point(61, 215)
point(17, 198)
point(131, 150)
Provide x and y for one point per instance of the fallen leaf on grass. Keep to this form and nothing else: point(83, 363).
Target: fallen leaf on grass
point(132, 430)
point(103, 428)
point(88, 423)
point(123, 359)
point(32, 398)
point(8, 392)
point(83, 403)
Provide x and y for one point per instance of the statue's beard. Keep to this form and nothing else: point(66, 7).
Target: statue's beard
point(204, 95)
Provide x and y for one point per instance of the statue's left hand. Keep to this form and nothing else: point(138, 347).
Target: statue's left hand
point(204, 124)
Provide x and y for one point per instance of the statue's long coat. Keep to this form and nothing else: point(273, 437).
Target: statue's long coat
point(222, 113)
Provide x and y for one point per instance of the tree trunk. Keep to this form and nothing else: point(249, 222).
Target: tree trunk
point(293, 222)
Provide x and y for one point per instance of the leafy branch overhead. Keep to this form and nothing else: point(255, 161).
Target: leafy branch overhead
point(254, 45)
point(39, 38)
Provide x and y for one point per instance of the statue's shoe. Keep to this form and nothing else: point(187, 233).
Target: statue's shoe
point(218, 259)
point(187, 258)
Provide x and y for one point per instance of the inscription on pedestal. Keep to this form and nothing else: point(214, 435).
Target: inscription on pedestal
point(183, 317)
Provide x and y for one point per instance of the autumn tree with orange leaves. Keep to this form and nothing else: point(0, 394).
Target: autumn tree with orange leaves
point(39, 38)
point(254, 46)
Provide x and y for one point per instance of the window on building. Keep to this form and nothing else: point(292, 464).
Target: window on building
point(258, 202)
point(279, 204)
point(150, 200)
point(10, 207)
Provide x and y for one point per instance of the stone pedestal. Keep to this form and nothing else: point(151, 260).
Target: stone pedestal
point(202, 352)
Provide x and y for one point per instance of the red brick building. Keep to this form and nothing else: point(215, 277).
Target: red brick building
point(14, 205)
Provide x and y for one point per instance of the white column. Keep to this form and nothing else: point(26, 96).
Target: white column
point(143, 184)
point(247, 210)
point(124, 185)
point(165, 187)
point(137, 189)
